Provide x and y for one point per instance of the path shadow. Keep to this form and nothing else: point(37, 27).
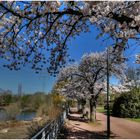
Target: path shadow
point(81, 133)
point(74, 112)
point(75, 118)
point(66, 133)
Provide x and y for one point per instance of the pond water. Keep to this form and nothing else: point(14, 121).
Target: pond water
point(24, 116)
point(3, 115)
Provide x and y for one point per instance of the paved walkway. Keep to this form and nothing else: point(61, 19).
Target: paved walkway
point(78, 128)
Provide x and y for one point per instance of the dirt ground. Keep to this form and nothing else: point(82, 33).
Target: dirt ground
point(21, 129)
point(78, 128)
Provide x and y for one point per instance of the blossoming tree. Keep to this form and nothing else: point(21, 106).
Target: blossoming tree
point(37, 32)
point(132, 80)
point(138, 59)
point(90, 76)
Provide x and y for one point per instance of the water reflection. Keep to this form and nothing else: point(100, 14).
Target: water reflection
point(24, 116)
point(3, 115)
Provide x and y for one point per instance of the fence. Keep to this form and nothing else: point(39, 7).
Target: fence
point(51, 130)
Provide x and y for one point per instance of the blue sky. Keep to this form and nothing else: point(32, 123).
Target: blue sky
point(31, 82)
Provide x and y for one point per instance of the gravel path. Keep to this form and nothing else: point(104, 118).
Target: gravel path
point(121, 128)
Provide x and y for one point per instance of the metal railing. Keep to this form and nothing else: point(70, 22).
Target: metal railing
point(51, 130)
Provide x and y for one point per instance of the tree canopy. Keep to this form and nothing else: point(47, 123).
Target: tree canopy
point(38, 32)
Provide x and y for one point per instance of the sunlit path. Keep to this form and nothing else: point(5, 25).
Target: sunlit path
point(78, 128)
point(122, 128)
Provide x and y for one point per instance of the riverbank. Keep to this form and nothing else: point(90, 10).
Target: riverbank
point(21, 129)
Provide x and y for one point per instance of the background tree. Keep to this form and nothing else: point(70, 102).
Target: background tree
point(6, 99)
point(74, 90)
point(90, 75)
point(132, 77)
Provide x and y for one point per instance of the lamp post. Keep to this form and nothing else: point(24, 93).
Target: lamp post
point(108, 107)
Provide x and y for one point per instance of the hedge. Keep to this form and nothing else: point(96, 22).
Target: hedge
point(127, 105)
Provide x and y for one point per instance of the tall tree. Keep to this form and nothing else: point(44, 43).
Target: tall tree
point(90, 75)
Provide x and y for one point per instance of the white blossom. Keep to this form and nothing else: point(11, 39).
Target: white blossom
point(89, 77)
point(59, 22)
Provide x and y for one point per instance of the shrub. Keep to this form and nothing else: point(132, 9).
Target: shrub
point(101, 99)
point(13, 110)
point(5, 99)
point(43, 110)
point(48, 108)
point(127, 105)
point(25, 101)
point(36, 100)
point(58, 100)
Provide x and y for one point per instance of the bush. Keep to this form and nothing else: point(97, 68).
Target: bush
point(49, 107)
point(36, 100)
point(25, 100)
point(101, 100)
point(43, 110)
point(13, 110)
point(127, 105)
point(5, 99)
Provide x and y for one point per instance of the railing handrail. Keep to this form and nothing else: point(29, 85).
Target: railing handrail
point(48, 128)
point(41, 131)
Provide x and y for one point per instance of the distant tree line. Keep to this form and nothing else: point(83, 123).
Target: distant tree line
point(39, 102)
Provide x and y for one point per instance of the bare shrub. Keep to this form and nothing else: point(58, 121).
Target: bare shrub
point(54, 112)
point(43, 110)
point(13, 110)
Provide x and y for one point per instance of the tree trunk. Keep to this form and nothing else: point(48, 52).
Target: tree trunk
point(83, 109)
point(92, 111)
point(78, 106)
point(95, 112)
point(67, 109)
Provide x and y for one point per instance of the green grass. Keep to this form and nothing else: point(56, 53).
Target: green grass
point(133, 119)
point(100, 109)
point(97, 123)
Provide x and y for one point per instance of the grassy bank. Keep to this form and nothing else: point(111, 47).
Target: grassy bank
point(100, 109)
point(21, 129)
point(46, 106)
point(133, 119)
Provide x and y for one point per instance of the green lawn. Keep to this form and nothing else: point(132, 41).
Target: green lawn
point(135, 120)
point(100, 109)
